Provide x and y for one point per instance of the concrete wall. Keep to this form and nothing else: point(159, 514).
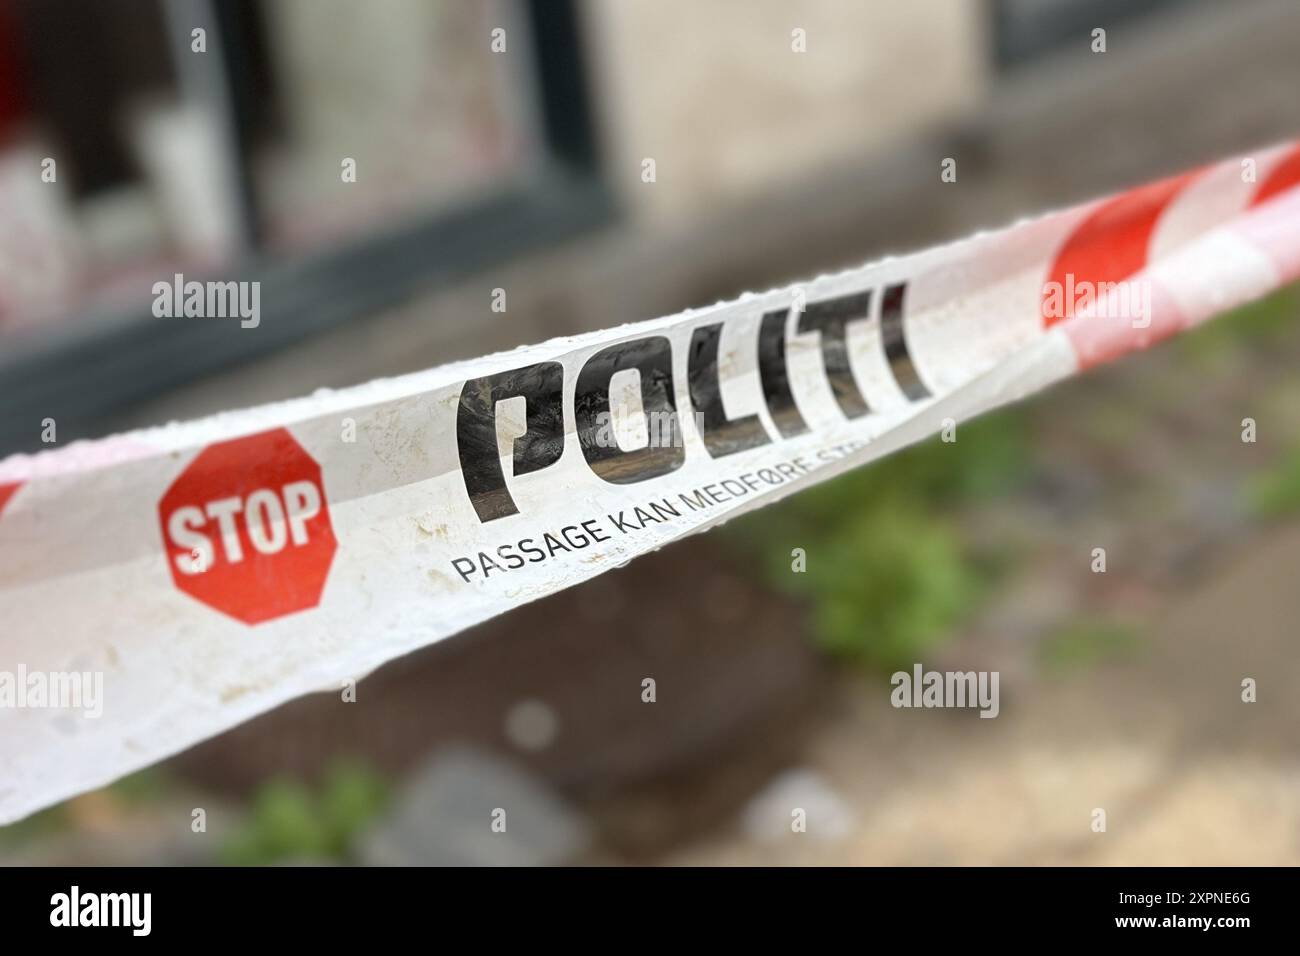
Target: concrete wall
point(715, 93)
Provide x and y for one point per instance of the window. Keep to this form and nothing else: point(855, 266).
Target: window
point(343, 155)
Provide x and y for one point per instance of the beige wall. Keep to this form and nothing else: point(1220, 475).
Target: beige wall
point(712, 90)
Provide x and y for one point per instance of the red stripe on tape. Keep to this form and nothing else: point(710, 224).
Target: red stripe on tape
point(1111, 243)
point(1285, 175)
point(7, 492)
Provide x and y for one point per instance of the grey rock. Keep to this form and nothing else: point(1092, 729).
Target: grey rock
point(470, 808)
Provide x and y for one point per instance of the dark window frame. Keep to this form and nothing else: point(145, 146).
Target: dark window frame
point(1022, 39)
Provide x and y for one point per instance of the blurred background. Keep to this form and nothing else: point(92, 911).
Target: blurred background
point(514, 160)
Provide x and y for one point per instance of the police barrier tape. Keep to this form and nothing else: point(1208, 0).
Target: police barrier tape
point(213, 569)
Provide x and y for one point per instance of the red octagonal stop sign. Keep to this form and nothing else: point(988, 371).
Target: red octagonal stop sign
point(247, 527)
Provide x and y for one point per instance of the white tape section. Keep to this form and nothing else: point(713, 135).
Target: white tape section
point(211, 570)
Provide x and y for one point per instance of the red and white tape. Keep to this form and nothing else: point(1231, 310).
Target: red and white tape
point(214, 569)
